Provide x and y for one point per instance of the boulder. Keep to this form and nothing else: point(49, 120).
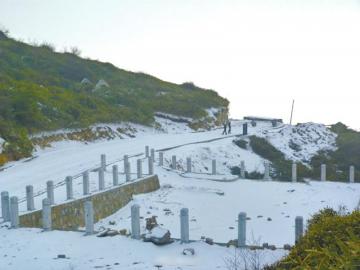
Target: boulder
point(151, 223)
point(209, 241)
point(188, 251)
point(108, 232)
point(158, 236)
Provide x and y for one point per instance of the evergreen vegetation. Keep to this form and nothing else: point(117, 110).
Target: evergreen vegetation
point(332, 242)
point(43, 90)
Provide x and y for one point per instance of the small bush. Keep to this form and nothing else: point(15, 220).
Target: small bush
point(241, 143)
point(332, 242)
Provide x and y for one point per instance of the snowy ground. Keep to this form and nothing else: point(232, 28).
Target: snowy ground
point(33, 249)
point(213, 206)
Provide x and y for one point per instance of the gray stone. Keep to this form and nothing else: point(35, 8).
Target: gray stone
point(242, 229)
point(108, 232)
point(50, 191)
point(46, 214)
point(151, 223)
point(158, 236)
point(30, 198)
point(184, 225)
point(209, 241)
point(188, 251)
point(5, 205)
point(147, 151)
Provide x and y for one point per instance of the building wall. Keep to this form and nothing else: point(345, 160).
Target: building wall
point(70, 215)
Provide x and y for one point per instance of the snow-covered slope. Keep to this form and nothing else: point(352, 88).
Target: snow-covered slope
point(213, 206)
point(301, 142)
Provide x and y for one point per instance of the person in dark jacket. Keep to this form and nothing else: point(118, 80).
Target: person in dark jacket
point(229, 127)
point(224, 131)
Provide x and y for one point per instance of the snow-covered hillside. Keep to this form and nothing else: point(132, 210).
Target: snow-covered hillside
point(213, 205)
point(301, 142)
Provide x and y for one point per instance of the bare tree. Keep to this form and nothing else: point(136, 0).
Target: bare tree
point(245, 258)
point(75, 50)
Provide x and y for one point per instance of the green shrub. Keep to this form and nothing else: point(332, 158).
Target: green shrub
point(241, 143)
point(41, 90)
point(332, 242)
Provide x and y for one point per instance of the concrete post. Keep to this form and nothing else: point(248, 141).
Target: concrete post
point(152, 154)
point(184, 225)
point(128, 172)
point(86, 184)
point(115, 172)
point(352, 174)
point(126, 161)
point(267, 171)
point(323, 172)
point(146, 151)
point(242, 169)
point(89, 217)
point(151, 166)
point(173, 162)
point(103, 162)
point(299, 228)
point(188, 165)
point(101, 179)
point(14, 212)
point(50, 191)
point(139, 168)
point(161, 158)
point(213, 167)
point(30, 198)
point(46, 215)
point(5, 205)
point(135, 221)
point(245, 129)
point(69, 188)
point(242, 229)
point(294, 172)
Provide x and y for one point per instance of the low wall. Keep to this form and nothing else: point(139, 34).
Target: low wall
point(70, 215)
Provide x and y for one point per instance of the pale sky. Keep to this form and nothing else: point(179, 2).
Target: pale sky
point(258, 54)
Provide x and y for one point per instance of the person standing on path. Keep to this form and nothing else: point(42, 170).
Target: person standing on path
point(229, 126)
point(224, 131)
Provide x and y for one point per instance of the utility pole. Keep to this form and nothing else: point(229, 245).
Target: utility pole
point(292, 109)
